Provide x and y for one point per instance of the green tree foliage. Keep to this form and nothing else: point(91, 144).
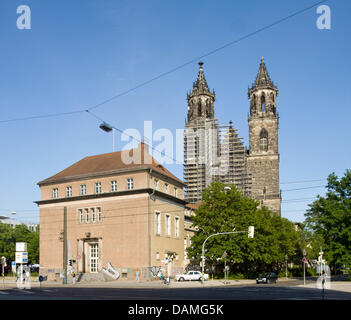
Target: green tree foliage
point(9, 236)
point(222, 211)
point(329, 218)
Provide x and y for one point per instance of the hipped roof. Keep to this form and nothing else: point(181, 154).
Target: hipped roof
point(110, 163)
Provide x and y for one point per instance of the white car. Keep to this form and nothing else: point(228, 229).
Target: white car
point(191, 275)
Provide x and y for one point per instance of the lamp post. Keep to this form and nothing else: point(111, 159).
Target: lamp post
point(250, 235)
point(304, 266)
point(225, 266)
point(108, 128)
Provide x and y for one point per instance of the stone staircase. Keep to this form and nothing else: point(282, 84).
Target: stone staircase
point(90, 277)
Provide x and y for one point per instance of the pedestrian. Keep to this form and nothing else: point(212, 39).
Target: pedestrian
point(137, 275)
point(324, 278)
point(73, 278)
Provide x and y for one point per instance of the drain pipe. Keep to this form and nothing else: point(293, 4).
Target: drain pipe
point(152, 195)
point(149, 223)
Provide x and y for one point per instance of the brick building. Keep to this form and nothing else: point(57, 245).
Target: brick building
point(129, 215)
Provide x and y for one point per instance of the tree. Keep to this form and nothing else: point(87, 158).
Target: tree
point(329, 218)
point(224, 211)
point(9, 236)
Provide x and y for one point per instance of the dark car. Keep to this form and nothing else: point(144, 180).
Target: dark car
point(268, 277)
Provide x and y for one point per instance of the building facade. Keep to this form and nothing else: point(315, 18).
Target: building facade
point(128, 215)
point(214, 152)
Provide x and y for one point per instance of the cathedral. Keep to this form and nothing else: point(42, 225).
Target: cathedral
point(215, 152)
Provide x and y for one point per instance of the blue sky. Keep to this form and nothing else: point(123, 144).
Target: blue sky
point(80, 53)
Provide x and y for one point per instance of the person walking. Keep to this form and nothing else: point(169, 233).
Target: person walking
point(137, 275)
point(324, 279)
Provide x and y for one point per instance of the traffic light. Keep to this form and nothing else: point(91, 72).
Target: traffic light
point(70, 263)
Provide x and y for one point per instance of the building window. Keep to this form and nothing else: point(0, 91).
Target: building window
point(99, 214)
point(157, 256)
point(175, 192)
point(166, 188)
point(130, 183)
point(83, 189)
point(263, 103)
point(158, 223)
point(155, 184)
point(93, 215)
point(168, 225)
point(55, 193)
point(113, 186)
point(80, 215)
point(264, 140)
point(86, 215)
point(185, 256)
point(98, 187)
point(68, 191)
point(176, 227)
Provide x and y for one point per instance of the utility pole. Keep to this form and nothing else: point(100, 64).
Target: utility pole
point(64, 258)
point(286, 267)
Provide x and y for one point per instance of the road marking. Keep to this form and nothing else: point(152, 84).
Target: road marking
point(23, 290)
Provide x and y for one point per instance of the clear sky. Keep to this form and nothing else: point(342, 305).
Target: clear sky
point(80, 53)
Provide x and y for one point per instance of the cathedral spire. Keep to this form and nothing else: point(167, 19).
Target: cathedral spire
point(263, 80)
point(200, 85)
point(200, 99)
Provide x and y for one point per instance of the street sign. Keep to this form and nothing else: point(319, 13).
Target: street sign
point(78, 257)
point(21, 246)
point(21, 257)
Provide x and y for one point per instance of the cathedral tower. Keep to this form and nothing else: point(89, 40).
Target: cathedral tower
point(200, 100)
point(200, 139)
point(263, 158)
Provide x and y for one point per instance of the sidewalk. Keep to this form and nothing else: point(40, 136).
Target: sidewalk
point(344, 286)
point(10, 283)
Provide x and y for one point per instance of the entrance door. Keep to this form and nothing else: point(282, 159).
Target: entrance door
point(94, 257)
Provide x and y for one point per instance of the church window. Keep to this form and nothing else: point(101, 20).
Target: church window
point(263, 102)
point(264, 140)
point(199, 111)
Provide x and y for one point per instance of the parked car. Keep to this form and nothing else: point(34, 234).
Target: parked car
point(191, 275)
point(268, 277)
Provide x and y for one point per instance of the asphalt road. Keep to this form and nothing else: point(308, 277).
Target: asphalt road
point(289, 290)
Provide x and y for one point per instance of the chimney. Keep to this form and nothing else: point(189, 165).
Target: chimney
point(146, 157)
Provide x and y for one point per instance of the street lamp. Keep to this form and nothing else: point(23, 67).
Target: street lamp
point(225, 266)
point(304, 266)
point(108, 128)
point(250, 235)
